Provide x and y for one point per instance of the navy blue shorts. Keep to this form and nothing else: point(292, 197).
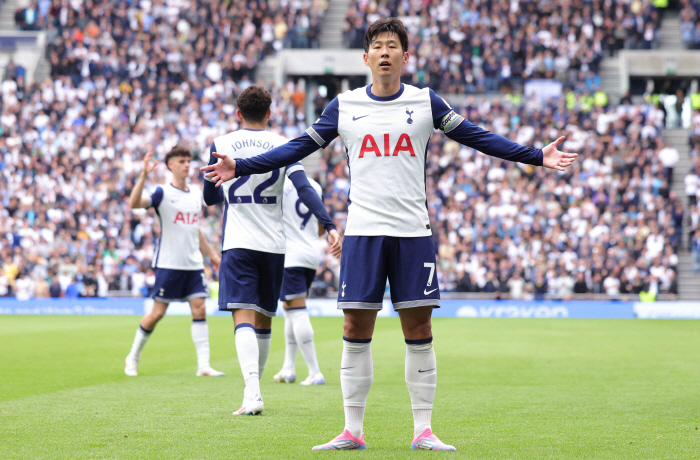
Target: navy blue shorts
point(296, 283)
point(179, 285)
point(408, 263)
point(250, 280)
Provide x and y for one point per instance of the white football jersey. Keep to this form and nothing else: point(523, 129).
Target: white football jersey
point(179, 213)
point(300, 229)
point(253, 204)
point(386, 141)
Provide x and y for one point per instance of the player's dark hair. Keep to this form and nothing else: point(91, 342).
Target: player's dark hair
point(177, 151)
point(391, 26)
point(254, 102)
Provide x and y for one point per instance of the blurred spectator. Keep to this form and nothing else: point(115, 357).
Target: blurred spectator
point(55, 289)
point(580, 287)
point(516, 286)
point(669, 157)
point(24, 287)
point(695, 248)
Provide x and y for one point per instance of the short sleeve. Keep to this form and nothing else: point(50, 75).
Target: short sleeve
point(326, 127)
point(444, 117)
point(294, 168)
point(156, 197)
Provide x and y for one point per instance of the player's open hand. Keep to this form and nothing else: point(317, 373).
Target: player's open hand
point(335, 245)
point(215, 261)
point(220, 172)
point(148, 167)
point(552, 158)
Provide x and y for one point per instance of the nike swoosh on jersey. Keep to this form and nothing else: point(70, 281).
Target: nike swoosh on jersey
point(426, 292)
point(427, 370)
point(357, 118)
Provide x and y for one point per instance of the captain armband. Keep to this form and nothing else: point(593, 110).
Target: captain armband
point(315, 136)
point(450, 121)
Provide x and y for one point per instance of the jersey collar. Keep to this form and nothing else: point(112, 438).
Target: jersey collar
point(384, 99)
point(185, 191)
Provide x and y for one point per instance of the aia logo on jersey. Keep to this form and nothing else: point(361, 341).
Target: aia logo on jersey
point(369, 145)
point(187, 218)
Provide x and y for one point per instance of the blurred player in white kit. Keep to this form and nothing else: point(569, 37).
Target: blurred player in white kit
point(302, 231)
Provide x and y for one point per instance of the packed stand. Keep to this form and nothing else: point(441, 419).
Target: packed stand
point(239, 31)
point(690, 24)
point(608, 227)
point(478, 47)
point(692, 191)
point(123, 80)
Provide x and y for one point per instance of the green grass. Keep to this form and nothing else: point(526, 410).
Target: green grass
point(507, 389)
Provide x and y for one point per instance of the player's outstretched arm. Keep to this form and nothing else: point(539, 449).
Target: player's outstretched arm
point(207, 250)
point(135, 199)
point(461, 130)
point(318, 136)
point(493, 144)
point(279, 157)
point(311, 200)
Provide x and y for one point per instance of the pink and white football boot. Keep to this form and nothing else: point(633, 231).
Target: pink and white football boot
point(428, 441)
point(345, 441)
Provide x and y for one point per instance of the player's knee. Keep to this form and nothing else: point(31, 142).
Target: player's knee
point(354, 330)
point(199, 312)
point(421, 329)
point(157, 315)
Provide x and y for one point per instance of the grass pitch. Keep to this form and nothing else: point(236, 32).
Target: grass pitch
point(507, 389)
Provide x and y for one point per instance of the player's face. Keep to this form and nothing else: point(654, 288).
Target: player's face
point(385, 56)
point(180, 166)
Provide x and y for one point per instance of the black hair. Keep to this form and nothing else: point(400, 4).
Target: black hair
point(391, 26)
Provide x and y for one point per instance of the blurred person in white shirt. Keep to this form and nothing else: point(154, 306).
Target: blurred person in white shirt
point(24, 287)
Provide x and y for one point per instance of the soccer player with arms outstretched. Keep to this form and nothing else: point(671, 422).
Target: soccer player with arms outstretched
point(301, 230)
point(178, 259)
point(252, 263)
point(386, 127)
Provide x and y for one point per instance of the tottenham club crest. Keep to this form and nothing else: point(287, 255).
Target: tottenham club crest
point(409, 113)
point(343, 293)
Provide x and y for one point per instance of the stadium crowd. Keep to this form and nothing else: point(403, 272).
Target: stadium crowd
point(478, 47)
point(692, 191)
point(690, 24)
